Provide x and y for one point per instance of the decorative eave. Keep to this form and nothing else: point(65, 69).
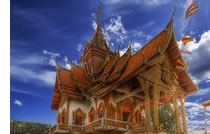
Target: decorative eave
point(144, 58)
point(108, 68)
point(64, 85)
point(184, 78)
point(79, 77)
point(120, 66)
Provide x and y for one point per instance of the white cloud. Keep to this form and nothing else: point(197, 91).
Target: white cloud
point(144, 2)
point(65, 59)
point(202, 91)
point(195, 115)
point(94, 25)
point(152, 2)
point(68, 66)
point(51, 53)
point(30, 59)
point(79, 47)
point(112, 1)
point(47, 77)
point(208, 81)
point(116, 29)
point(136, 46)
point(123, 51)
point(52, 56)
point(93, 15)
point(17, 102)
point(141, 34)
point(67, 63)
point(199, 65)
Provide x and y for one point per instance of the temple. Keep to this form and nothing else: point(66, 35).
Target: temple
point(111, 94)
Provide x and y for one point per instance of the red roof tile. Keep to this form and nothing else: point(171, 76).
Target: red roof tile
point(66, 78)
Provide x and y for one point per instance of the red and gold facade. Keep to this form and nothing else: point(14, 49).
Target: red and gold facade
point(110, 93)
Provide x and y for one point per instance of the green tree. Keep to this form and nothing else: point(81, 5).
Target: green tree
point(166, 117)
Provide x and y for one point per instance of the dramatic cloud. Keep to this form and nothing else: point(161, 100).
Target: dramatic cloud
point(114, 30)
point(202, 91)
point(17, 102)
point(141, 35)
point(52, 56)
point(199, 65)
point(152, 2)
point(27, 75)
point(134, 47)
point(79, 47)
point(67, 63)
point(195, 116)
point(145, 2)
point(123, 51)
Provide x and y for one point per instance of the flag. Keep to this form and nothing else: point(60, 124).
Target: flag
point(180, 67)
point(180, 62)
point(192, 9)
point(185, 40)
point(185, 51)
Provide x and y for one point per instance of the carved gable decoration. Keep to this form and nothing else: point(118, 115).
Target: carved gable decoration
point(166, 73)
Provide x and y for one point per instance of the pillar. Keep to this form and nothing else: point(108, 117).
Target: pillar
point(68, 105)
point(155, 96)
point(205, 119)
point(183, 114)
point(176, 108)
point(147, 105)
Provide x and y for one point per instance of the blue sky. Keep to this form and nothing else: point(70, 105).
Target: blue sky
point(44, 30)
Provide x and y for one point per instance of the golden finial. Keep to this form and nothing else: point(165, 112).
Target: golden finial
point(197, 85)
point(173, 13)
point(119, 46)
point(58, 66)
point(99, 14)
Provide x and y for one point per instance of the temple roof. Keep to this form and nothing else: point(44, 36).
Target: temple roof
point(117, 70)
point(145, 57)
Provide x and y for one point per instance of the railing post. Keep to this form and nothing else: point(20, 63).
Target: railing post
point(57, 126)
point(102, 121)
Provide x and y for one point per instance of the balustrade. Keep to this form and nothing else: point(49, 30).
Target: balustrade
point(103, 122)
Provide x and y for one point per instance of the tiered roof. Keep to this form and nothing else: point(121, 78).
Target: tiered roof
point(117, 70)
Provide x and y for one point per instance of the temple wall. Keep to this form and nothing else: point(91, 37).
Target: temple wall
point(84, 106)
point(62, 107)
point(112, 98)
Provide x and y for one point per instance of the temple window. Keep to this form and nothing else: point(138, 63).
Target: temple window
point(78, 120)
point(125, 116)
point(78, 117)
point(126, 110)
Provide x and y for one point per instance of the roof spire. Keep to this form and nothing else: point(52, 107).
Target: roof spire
point(99, 14)
point(173, 13)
